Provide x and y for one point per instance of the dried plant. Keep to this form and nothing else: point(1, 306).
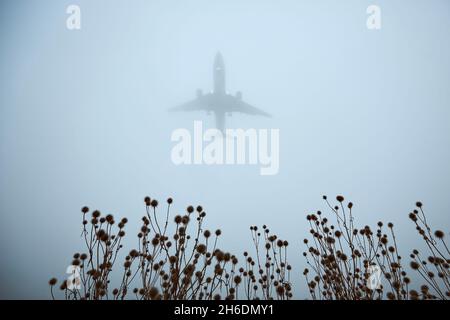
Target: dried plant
point(186, 265)
point(341, 259)
point(269, 272)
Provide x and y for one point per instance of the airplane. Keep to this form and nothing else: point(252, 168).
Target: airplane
point(219, 101)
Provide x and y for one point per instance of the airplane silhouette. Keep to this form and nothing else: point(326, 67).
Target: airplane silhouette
point(219, 101)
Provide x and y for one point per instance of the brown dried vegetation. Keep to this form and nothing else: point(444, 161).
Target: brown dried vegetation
point(185, 265)
point(340, 257)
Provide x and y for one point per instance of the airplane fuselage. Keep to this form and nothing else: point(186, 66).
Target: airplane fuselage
point(219, 91)
point(219, 75)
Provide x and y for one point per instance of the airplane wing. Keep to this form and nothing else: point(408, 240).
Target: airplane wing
point(244, 107)
point(229, 103)
point(201, 103)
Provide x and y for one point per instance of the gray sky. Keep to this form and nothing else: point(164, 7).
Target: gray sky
point(84, 121)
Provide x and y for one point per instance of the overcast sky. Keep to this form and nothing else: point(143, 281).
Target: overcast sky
point(84, 121)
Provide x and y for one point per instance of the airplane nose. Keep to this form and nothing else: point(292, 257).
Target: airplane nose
point(218, 61)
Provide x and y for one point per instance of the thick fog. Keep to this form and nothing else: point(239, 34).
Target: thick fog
point(84, 119)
